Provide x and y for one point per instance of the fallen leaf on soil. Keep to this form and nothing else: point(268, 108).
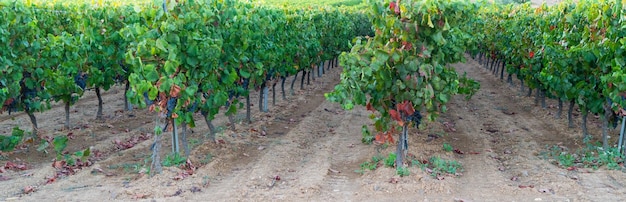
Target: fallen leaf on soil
point(70, 136)
point(571, 168)
point(3, 178)
point(14, 166)
point(29, 189)
point(449, 127)
point(458, 151)
point(140, 196)
point(508, 112)
point(474, 152)
point(58, 164)
point(393, 180)
point(261, 148)
point(178, 193)
point(440, 177)
point(195, 189)
point(514, 178)
point(492, 130)
point(333, 170)
point(52, 179)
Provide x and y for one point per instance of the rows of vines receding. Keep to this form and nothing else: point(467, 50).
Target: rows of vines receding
point(573, 52)
point(176, 58)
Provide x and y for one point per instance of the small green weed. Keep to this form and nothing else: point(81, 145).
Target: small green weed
point(403, 171)
point(368, 138)
point(390, 161)
point(439, 166)
point(370, 165)
point(447, 147)
point(593, 155)
point(174, 159)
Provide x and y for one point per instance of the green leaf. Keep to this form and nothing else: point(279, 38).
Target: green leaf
point(59, 143)
point(161, 44)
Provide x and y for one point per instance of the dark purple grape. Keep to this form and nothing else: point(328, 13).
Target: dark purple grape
point(81, 80)
point(171, 104)
point(416, 118)
point(146, 99)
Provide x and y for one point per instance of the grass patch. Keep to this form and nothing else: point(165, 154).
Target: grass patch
point(370, 165)
point(173, 160)
point(447, 147)
point(438, 166)
point(593, 155)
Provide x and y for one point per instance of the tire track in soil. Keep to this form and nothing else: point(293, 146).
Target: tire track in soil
point(511, 140)
point(300, 156)
point(306, 159)
point(347, 153)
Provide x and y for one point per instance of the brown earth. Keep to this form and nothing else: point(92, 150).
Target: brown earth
point(314, 147)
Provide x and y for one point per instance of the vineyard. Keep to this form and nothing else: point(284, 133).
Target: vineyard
point(377, 100)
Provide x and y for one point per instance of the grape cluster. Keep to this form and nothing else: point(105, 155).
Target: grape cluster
point(246, 83)
point(193, 107)
point(146, 99)
point(81, 80)
point(171, 104)
point(416, 118)
point(10, 106)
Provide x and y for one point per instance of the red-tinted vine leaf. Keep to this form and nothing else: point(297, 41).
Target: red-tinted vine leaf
point(369, 107)
point(395, 115)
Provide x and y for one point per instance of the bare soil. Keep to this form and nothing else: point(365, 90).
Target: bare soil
point(311, 149)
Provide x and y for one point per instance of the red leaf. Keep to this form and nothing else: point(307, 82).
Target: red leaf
point(29, 189)
point(392, 5)
point(51, 180)
point(58, 164)
point(407, 107)
point(70, 136)
point(390, 137)
point(532, 54)
point(395, 115)
point(397, 10)
point(380, 138)
point(369, 107)
point(458, 151)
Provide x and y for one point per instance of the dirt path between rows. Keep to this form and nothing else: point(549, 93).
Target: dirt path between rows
point(313, 147)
